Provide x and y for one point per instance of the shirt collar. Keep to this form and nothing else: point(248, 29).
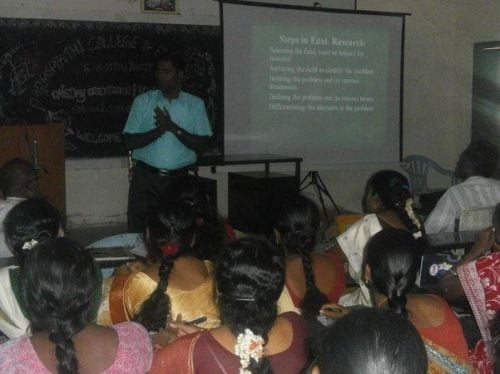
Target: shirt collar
point(15, 199)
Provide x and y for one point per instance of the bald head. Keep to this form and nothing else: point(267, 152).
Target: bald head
point(18, 178)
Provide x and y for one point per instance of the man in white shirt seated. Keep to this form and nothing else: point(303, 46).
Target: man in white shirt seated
point(476, 165)
point(18, 181)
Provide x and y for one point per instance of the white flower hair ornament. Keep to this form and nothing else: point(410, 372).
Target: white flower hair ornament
point(411, 213)
point(29, 244)
point(248, 346)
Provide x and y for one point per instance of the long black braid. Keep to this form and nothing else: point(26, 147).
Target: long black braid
point(393, 256)
point(60, 286)
point(297, 223)
point(250, 278)
point(65, 351)
point(210, 234)
point(170, 235)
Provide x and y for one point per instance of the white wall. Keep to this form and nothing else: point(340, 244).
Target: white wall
point(437, 106)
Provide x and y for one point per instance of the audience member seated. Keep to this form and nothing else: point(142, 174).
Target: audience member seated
point(388, 202)
point(312, 279)
point(211, 231)
point(477, 277)
point(476, 165)
point(174, 281)
point(253, 338)
point(18, 182)
point(392, 258)
point(371, 341)
point(30, 222)
point(61, 289)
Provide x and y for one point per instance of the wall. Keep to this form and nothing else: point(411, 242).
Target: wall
point(437, 104)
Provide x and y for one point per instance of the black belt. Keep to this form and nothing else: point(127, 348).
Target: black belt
point(162, 172)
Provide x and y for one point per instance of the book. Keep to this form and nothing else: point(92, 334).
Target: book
point(434, 266)
point(106, 254)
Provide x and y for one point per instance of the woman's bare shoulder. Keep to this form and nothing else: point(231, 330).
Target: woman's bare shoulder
point(426, 310)
point(425, 300)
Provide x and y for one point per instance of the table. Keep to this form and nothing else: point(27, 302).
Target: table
point(445, 251)
point(104, 257)
point(456, 242)
point(259, 158)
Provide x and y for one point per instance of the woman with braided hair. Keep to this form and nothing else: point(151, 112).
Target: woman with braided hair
point(387, 202)
point(61, 287)
point(253, 337)
point(30, 222)
point(311, 278)
point(211, 231)
point(391, 262)
point(174, 282)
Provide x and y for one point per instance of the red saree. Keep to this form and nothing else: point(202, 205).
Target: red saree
point(481, 282)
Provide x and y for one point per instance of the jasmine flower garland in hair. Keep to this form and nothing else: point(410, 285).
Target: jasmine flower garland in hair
point(30, 244)
point(248, 346)
point(411, 213)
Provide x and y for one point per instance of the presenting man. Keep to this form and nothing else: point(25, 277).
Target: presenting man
point(166, 128)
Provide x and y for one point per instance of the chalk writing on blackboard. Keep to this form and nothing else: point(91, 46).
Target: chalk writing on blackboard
point(86, 74)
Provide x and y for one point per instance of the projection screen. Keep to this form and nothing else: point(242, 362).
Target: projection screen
point(320, 84)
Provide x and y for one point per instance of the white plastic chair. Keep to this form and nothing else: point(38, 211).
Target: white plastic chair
point(418, 167)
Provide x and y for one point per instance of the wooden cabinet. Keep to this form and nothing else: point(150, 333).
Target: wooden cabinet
point(20, 140)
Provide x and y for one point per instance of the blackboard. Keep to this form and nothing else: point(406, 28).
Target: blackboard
point(86, 74)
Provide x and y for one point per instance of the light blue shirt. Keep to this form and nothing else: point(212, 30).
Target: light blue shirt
point(167, 152)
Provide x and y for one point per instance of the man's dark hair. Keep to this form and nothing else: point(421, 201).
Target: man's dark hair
point(16, 177)
point(176, 58)
point(479, 158)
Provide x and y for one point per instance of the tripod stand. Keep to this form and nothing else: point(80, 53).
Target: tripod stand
point(320, 189)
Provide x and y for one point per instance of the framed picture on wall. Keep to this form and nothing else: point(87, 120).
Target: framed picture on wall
point(159, 6)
